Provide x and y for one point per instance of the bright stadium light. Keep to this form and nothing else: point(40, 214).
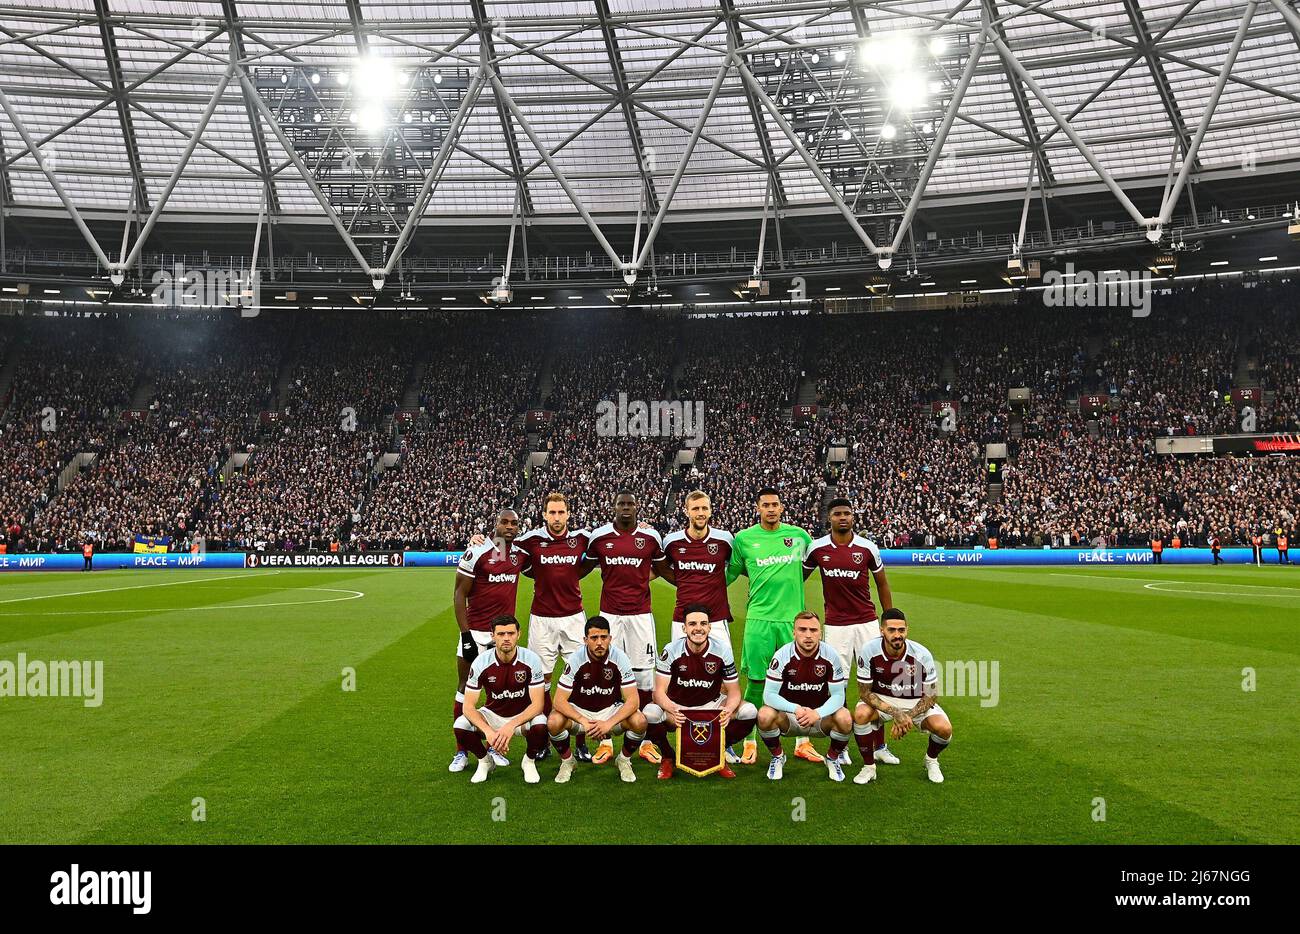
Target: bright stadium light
point(888, 131)
point(907, 91)
point(890, 52)
point(938, 45)
point(841, 56)
point(374, 77)
point(371, 118)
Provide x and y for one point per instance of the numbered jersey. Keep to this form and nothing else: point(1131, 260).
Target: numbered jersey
point(696, 679)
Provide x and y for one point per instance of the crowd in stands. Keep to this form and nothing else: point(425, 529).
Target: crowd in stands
point(314, 476)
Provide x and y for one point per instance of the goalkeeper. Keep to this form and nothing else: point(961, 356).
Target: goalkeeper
point(771, 555)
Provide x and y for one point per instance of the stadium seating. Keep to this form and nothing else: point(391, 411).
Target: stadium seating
point(464, 384)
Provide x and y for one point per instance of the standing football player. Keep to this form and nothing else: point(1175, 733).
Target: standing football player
point(770, 553)
point(899, 683)
point(696, 564)
point(510, 677)
point(804, 696)
point(597, 696)
point(555, 619)
point(695, 672)
point(627, 556)
point(845, 559)
point(487, 586)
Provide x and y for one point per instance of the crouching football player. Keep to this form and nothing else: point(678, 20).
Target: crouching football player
point(899, 683)
point(697, 672)
point(597, 696)
point(511, 680)
point(804, 696)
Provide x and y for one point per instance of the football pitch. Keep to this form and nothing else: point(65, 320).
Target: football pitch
point(1143, 705)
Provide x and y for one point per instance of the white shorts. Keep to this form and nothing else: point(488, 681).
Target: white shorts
point(555, 637)
point(793, 728)
point(849, 641)
point(746, 711)
point(496, 721)
point(907, 703)
point(482, 639)
point(635, 635)
point(598, 716)
point(720, 629)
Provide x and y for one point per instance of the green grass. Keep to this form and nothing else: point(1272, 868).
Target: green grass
point(1109, 688)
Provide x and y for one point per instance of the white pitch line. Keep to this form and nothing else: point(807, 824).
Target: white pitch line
point(1109, 577)
point(354, 595)
point(1155, 588)
point(82, 593)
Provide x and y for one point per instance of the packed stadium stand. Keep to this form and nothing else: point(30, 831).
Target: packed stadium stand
point(409, 430)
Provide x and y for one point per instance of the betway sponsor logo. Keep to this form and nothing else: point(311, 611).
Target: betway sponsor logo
point(804, 686)
point(506, 694)
point(841, 572)
point(695, 683)
point(775, 559)
point(597, 689)
point(559, 559)
point(620, 561)
point(696, 566)
point(502, 578)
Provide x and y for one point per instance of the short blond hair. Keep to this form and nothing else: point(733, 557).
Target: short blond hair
point(693, 495)
point(554, 497)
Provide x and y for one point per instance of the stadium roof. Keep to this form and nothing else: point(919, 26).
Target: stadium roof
point(602, 97)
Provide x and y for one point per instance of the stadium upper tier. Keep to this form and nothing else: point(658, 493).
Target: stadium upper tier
point(411, 430)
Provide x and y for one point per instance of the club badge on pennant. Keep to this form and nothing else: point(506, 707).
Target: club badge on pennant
point(700, 747)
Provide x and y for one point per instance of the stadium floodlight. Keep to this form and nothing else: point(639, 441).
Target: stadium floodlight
point(893, 52)
point(374, 77)
point(117, 277)
point(378, 282)
point(888, 131)
point(938, 45)
point(907, 91)
point(1154, 233)
point(629, 276)
point(371, 118)
point(884, 262)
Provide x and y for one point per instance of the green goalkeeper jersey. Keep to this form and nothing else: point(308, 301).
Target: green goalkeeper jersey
point(773, 562)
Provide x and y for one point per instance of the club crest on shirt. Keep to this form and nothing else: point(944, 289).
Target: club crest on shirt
point(521, 676)
point(514, 559)
point(572, 542)
point(711, 667)
point(609, 675)
point(911, 670)
point(586, 676)
point(640, 542)
point(819, 671)
point(713, 548)
point(857, 557)
point(788, 542)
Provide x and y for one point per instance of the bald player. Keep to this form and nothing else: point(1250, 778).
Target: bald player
point(487, 586)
